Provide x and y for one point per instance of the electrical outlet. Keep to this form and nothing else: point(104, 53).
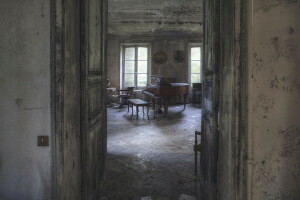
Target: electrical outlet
point(43, 141)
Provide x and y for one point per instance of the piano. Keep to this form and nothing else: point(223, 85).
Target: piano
point(161, 91)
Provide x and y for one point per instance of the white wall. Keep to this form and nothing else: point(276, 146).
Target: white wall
point(274, 96)
point(25, 168)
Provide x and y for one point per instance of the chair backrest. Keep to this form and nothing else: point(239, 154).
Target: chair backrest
point(197, 85)
point(130, 91)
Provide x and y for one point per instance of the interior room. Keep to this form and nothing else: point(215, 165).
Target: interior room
point(64, 135)
point(154, 48)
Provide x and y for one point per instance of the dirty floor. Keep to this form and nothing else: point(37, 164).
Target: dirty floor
point(151, 157)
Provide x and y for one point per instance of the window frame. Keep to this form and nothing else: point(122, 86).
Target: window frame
point(190, 46)
point(122, 63)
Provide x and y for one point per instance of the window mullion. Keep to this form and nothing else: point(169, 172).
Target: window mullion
point(135, 67)
point(123, 66)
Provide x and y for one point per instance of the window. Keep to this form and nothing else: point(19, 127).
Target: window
point(195, 63)
point(135, 65)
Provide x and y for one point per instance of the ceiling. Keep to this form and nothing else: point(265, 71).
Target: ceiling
point(155, 17)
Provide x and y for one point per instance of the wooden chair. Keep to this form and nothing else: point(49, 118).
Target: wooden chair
point(125, 94)
point(197, 88)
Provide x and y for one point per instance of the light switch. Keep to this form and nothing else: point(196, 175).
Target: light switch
point(43, 141)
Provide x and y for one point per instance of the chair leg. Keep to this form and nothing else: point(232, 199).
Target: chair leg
point(148, 111)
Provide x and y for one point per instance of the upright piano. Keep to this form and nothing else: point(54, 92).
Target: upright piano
point(161, 91)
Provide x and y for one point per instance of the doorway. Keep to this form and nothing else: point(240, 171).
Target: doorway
point(153, 157)
point(81, 154)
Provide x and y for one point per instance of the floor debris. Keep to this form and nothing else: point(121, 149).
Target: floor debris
point(162, 198)
point(187, 197)
point(187, 176)
point(146, 198)
point(101, 197)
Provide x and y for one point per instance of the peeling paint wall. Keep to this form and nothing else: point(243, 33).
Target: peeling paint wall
point(274, 96)
point(155, 17)
point(25, 168)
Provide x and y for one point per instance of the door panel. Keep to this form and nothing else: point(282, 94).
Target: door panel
point(93, 79)
point(65, 66)
point(209, 155)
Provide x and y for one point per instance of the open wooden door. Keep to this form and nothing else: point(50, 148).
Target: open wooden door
point(210, 79)
point(78, 74)
point(93, 93)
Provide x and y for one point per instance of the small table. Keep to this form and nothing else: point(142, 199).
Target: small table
point(137, 103)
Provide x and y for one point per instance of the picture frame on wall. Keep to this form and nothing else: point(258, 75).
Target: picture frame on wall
point(179, 56)
point(160, 58)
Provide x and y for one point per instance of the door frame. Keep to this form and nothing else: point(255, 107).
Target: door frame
point(212, 146)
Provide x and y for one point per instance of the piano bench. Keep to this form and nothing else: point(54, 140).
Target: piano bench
point(137, 103)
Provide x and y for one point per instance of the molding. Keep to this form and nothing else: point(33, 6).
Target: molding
point(136, 37)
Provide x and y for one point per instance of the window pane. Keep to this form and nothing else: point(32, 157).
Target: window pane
point(129, 53)
point(142, 66)
point(142, 53)
point(195, 78)
point(142, 80)
point(195, 53)
point(195, 66)
point(129, 80)
point(129, 66)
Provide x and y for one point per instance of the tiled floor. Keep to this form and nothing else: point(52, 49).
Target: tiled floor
point(151, 157)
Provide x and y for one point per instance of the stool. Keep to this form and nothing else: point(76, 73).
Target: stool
point(137, 103)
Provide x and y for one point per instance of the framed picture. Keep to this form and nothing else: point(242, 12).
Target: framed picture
point(160, 58)
point(179, 56)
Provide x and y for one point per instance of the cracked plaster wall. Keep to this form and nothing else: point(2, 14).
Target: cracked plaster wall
point(274, 96)
point(25, 171)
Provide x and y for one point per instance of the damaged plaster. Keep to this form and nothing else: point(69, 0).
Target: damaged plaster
point(274, 102)
point(152, 18)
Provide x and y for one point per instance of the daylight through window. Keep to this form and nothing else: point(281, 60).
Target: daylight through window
point(195, 64)
point(135, 65)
